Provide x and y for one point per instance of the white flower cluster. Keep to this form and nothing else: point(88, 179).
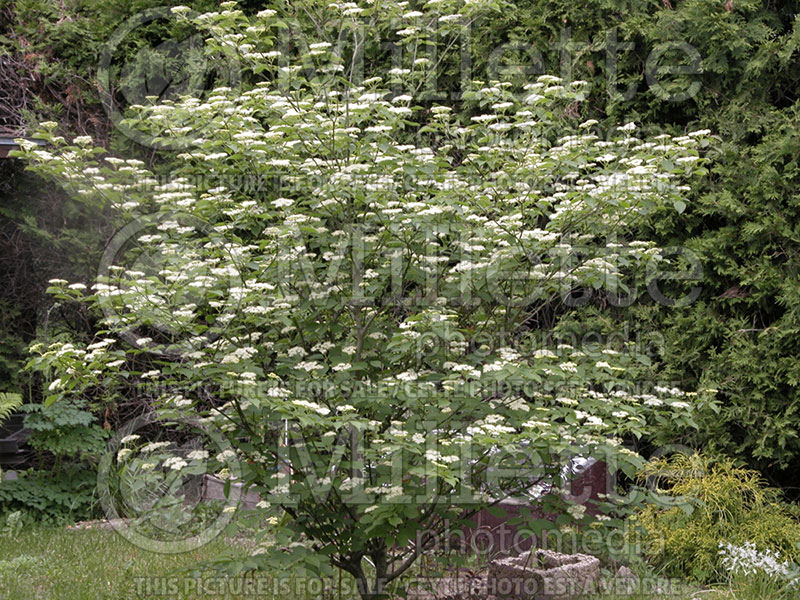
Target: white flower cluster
point(380, 245)
point(747, 560)
point(153, 446)
point(322, 410)
point(176, 463)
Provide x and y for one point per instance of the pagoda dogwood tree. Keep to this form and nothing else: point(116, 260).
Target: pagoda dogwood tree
point(361, 323)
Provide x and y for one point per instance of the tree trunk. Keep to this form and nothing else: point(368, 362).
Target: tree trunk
point(381, 569)
point(376, 591)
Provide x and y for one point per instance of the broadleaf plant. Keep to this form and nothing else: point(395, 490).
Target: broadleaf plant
point(362, 323)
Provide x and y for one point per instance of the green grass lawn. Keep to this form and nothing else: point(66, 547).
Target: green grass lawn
point(92, 564)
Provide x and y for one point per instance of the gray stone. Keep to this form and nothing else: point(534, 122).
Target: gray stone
point(625, 581)
point(543, 574)
point(625, 572)
point(213, 488)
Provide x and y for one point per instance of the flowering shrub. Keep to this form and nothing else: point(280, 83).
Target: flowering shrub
point(360, 324)
point(155, 485)
point(149, 474)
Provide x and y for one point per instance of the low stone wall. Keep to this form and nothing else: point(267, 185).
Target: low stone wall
point(536, 575)
point(542, 574)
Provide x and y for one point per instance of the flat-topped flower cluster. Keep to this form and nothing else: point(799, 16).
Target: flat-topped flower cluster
point(359, 299)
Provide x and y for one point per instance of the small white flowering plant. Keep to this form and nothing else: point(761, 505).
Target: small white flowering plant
point(758, 573)
point(362, 325)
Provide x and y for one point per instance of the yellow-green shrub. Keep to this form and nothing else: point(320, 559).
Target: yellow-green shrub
point(706, 501)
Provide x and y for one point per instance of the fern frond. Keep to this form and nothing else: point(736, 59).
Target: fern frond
point(9, 402)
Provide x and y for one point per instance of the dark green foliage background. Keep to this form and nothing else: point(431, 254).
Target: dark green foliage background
point(741, 335)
